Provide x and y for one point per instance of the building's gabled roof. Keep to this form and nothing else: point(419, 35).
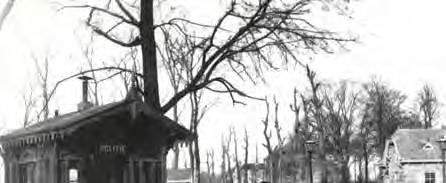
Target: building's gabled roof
point(57, 127)
point(54, 125)
point(411, 143)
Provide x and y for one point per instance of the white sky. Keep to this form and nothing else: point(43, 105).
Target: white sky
point(401, 42)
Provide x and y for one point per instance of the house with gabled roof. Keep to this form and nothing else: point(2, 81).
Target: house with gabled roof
point(413, 156)
point(120, 142)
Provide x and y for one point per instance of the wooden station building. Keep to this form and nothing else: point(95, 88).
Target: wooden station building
point(120, 142)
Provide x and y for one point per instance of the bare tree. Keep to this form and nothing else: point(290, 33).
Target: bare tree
point(29, 97)
point(273, 156)
point(209, 165)
point(172, 63)
point(266, 131)
point(227, 171)
point(128, 77)
point(303, 127)
point(256, 162)
point(223, 160)
point(428, 105)
point(29, 103)
point(88, 53)
point(303, 130)
point(212, 164)
point(237, 162)
point(316, 111)
point(342, 107)
point(382, 115)
point(384, 111)
point(246, 148)
point(42, 73)
point(277, 125)
point(266, 27)
point(198, 110)
point(230, 171)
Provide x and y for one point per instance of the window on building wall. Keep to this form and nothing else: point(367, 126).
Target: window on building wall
point(26, 173)
point(428, 147)
point(73, 175)
point(22, 174)
point(429, 177)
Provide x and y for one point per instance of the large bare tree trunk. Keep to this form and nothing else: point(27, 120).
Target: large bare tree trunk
point(148, 48)
point(176, 148)
point(196, 116)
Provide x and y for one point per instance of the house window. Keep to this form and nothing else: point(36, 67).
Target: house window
point(73, 175)
point(429, 177)
point(26, 173)
point(428, 146)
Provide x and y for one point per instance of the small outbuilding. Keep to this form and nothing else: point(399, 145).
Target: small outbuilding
point(120, 142)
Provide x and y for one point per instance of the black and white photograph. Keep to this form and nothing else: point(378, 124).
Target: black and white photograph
point(222, 91)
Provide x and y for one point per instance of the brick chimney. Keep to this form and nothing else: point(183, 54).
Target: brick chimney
point(84, 104)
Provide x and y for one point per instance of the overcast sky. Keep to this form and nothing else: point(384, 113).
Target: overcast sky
point(401, 41)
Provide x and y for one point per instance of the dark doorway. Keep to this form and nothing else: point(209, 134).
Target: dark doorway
point(106, 169)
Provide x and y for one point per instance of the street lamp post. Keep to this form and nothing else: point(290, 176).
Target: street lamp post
point(442, 142)
point(309, 145)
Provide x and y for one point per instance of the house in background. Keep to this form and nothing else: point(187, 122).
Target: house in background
point(120, 142)
point(413, 156)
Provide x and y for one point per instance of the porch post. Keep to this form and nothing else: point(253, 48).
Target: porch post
point(142, 175)
point(131, 170)
point(443, 165)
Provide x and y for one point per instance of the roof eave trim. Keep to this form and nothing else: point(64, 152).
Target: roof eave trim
point(10, 138)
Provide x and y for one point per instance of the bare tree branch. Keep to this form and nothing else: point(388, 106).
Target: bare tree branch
point(105, 11)
point(85, 72)
point(5, 12)
point(126, 12)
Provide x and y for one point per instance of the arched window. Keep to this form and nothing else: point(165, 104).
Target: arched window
point(73, 175)
point(428, 146)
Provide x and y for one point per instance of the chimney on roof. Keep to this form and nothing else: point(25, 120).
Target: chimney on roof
point(84, 104)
